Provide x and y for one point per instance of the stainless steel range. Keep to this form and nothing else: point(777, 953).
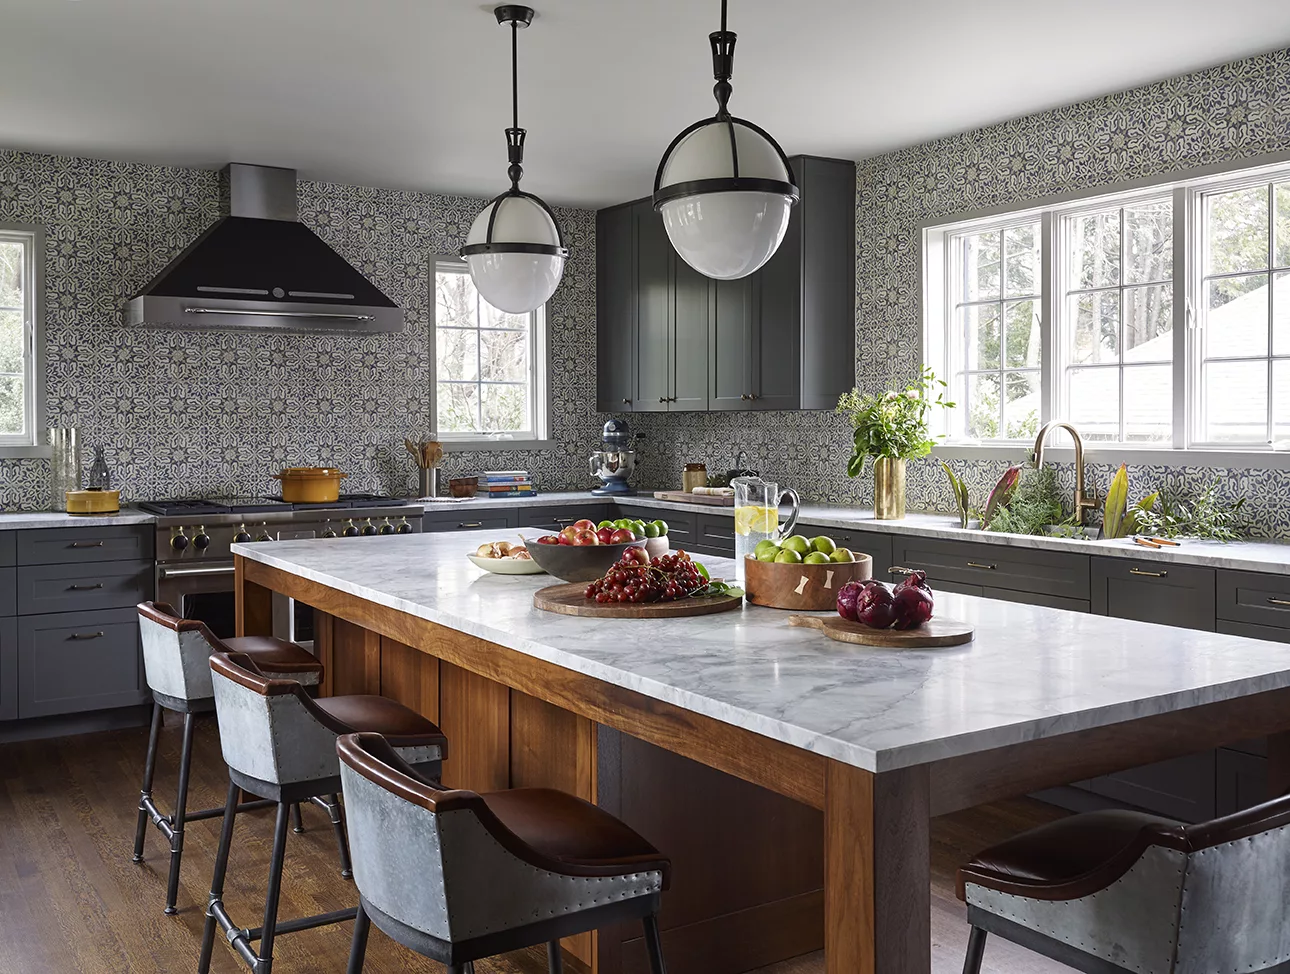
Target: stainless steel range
point(195, 565)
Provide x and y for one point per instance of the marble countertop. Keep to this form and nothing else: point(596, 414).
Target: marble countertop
point(1031, 672)
point(1263, 556)
point(57, 519)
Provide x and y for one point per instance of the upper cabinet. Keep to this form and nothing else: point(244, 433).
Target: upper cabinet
point(783, 338)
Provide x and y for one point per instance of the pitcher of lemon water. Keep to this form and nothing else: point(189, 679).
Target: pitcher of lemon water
point(757, 504)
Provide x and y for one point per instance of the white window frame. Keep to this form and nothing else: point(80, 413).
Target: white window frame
point(29, 442)
point(1186, 191)
point(536, 438)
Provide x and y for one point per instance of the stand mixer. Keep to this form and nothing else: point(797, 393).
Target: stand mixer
point(614, 462)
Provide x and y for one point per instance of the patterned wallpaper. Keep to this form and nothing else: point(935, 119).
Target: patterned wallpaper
point(1239, 110)
point(215, 413)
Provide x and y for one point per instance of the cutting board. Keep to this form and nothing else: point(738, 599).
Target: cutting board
point(935, 632)
point(680, 496)
point(569, 600)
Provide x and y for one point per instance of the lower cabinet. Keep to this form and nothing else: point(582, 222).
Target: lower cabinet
point(715, 534)
point(8, 669)
point(76, 661)
point(1182, 788)
point(1153, 591)
point(471, 520)
point(876, 546)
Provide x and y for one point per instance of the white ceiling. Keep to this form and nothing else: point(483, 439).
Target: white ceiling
point(415, 93)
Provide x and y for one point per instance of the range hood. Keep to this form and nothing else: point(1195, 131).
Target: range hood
point(259, 268)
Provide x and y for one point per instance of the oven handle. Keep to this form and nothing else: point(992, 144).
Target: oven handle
point(167, 572)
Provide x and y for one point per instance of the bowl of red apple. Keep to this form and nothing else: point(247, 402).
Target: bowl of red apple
point(584, 550)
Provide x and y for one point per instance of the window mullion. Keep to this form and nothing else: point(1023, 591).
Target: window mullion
point(1184, 229)
point(1272, 229)
point(1049, 401)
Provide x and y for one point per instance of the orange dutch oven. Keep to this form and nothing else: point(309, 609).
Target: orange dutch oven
point(310, 485)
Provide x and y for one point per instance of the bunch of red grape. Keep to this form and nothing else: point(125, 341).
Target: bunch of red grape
point(635, 578)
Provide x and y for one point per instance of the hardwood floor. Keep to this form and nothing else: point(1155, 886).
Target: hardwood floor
point(71, 899)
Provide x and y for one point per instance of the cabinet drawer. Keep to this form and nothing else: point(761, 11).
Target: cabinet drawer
point(470, 521)
point(715, 533)
point(1254, 597)
point(550, 520)
point(1153, 591)
point(876, 546)
point(8, 548)
point(1036, 598)
point(995, 566)
point(59, 546)
point(75, 588)
point(68, 663)
point(1270, 633)
point(8, 669)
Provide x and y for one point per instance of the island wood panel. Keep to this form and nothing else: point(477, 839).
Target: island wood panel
point(410, 677)
point(475, 714)
point(253, 605)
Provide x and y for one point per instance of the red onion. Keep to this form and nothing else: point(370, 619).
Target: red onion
point(848, 595)
point(913, 601)
point(876, 608)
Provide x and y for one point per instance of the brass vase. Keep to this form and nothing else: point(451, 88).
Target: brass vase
point(889, 488)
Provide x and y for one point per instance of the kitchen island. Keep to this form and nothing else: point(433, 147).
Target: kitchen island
point(879, 741)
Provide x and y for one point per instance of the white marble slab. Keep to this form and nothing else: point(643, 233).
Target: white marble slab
point(1030, 673)
point(56, 519)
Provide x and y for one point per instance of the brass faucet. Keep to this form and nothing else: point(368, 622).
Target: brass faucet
point(1083, 502)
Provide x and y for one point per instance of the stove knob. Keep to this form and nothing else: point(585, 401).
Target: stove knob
point(179, 540)
point(264, 534)
point(328, 531)
point(386, 527)
point(350, 530)
point(243, 535)
point(201, 540)
point(368, 529)
point(403, 527)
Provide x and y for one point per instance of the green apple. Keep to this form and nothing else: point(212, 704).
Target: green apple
point(624, 523)
point(662, 527)
point(787, 556)
point(638, 527)
point(606, 524)
point(816, 558)
point(842, 555)
point(823, 544)
point(651, 530)
point(766, 550)
point(796, 543)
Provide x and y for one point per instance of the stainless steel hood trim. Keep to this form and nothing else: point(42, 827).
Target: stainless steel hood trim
point(243, 315)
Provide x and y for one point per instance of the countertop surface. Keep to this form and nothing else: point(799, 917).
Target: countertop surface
point(57, 519)
point(1265, 556)
point(1031, 672)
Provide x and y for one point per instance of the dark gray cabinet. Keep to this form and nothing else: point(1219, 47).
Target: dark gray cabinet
point(80, 545)
point(471, 520)
point(77, 661)
point(731, 334)
point(876, 546)
point(1152, 591)
point(997, 567)
point(1183, 788)
point(79, 588)
point(616, 309)
point(715, 534)
point(1242, 780)
point(8, 669)
point(1253, 598)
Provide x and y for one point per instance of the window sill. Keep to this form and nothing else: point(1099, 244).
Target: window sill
point(14, 452)
point(1137, 456)
point(495, 446)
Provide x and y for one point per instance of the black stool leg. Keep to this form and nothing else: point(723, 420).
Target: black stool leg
point(275, 888)
point(554, 962)
point(217, 878)
point(177, 820)
point(975, 952)
point(654, 945)
point(358, 946)
point(338, 823)
point(297, 824)
point(145, 790)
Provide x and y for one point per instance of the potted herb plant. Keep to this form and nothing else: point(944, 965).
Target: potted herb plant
point(892, 427)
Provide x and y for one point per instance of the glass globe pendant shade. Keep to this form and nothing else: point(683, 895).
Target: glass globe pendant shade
point(515, 254)
point(726, 236)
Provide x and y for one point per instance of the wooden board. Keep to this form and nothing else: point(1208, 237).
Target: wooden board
point(681, 497)
point(937, 632)
point(569, 600)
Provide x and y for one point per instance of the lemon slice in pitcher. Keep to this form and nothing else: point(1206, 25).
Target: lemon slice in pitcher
point(756, 520)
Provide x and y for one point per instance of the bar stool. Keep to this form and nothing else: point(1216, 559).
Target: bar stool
point(280, 744)
point(175, 655)
point(457, 876)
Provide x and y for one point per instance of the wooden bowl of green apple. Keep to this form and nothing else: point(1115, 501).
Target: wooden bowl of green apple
point(802, 574)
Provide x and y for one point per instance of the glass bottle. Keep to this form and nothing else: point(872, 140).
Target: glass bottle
point(100, 478)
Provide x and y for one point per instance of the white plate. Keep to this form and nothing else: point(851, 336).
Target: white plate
point(506, 566)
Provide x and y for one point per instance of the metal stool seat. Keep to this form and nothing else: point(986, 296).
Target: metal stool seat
point(457, 876)
point(280, 743)
point(175, 659)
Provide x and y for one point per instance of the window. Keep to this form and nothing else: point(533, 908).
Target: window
point(1152, 319)
point(488, 365)
point(19, 251)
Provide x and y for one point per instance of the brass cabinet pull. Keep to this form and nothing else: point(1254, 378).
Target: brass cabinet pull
point(1139, 571)
point(977, 564)
point(1278, 601)
point(900, 570)
point(563, 520)
point(88, 635)
point(85, 588)
point(86, 544)
point(471, 524)
point(627, 402)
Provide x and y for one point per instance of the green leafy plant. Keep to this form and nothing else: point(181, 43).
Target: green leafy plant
point(1201, 516)
point(1118, 520)
point(960, 493)
point(893, 424)
point(1034, 504)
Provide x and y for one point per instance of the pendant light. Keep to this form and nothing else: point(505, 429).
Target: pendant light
point(515, 250)
point(724, 186)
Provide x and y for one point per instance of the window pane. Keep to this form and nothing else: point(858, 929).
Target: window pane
point(1281, 313)
point(10, 274)
point(458, 407)
point(1097, 328)
point(1237, 320)
point(1095, 402)
point(11, 342)
point(1237, 230)
point(1095, 249)
point(456, 354)
point(983, 407)
point(981, 266)
point(456, 300)
point(1236, 401)
point(1149, 229)
point(1021, 409)
point(1148, 324)
point(1148, 404)
point(11, 406)
point(490, 317)
point(1022, 319)
point(981, 336)
point(506, 409)
point(1281, 400)
point(504, 356)
point(1023, 262)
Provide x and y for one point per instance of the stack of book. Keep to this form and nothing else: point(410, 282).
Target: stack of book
point(507, 483)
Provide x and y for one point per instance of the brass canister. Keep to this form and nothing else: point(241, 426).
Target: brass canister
point(888, 488)
point(694, 475)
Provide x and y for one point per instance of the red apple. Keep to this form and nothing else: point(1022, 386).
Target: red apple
point(565, 539)
point(620, 536)
point(584, 525)
point(549, 539)
point(569, 534)
point(606, 535)
point(586, 538)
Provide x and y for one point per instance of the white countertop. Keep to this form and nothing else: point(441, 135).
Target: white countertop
point(57, 519)
point(1260, 556)
point(1030, 673)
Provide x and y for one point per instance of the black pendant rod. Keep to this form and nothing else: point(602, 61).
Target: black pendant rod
point(515, 74)
point(723, 63)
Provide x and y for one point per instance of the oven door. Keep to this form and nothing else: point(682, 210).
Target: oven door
point(203, 592)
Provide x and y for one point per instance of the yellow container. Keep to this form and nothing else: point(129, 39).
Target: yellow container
point(88, 502)
point(310, 485)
